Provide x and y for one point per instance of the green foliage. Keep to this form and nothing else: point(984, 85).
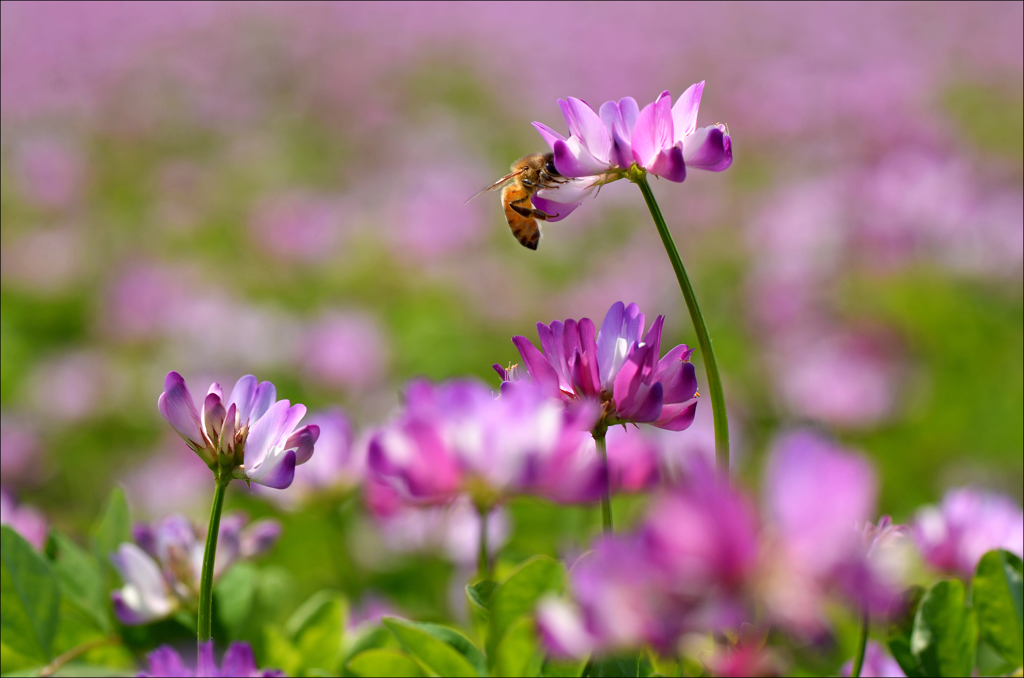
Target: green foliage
point(436, 655)
point(381, 662)
point(518, 653)
point(900, 631)
point(113, 528)
point(312, 639)
point(29, 599)
point(997, 597)
point(945, 633)
point(518, 595)
point(80, 577)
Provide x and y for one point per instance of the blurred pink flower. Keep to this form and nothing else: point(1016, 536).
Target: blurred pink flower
point(299, 226)
point(954, 535)
point(457, 437)
point(47, 260)
point(877, 663)
point(25, 520)
point(345, 350)
point(73, 386)
point(168, 481)
point(49, 173)
point(238, 662)
point(21, 453)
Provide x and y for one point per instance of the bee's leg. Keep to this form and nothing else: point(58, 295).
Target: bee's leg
point(530, 211)
point(551, 179)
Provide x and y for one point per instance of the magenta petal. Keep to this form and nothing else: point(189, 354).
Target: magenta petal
point(213, 414)
point(649, 408)
point(302, 442)
point(241, 395)
point(620, 119)
point(238, 661)
point(205, 663)
point(502, 372)
point(281, 474)
point(653, 339)
point(265, 433)
point(574, 162)
point(676, 417)
point(606, 338)
point(653, 132)
point(549, 135)
point(165, 661)
point(680, 382)
point(670, 165)
point(176, 406)
point(262, 399)
point(556, 211)
point(684, 113)
point(586, 125)
point(537, 365)
point(709, 148)
point(628, 380)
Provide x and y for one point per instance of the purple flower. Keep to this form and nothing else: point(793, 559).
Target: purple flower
point(457, 437)
point(238, 661)
point(161, 570)
point(25, 520)
point(617, 366)
point(250, 435)
point(877, 663)
point(685, 570)
point(969, 522)
point(662, 139)
point(816, 495)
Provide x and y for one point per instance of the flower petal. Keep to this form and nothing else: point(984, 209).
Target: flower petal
point(556, 211)
point(586, 125)
point(563, 629)
point(629, 378)
point(276, 472)
point(670, 165)
point(262, 399)
point(213, 415)
point(549, 135)
point(177, 407)
point(205, 664)
point(680, 381)
point(241, 395)
point(265, 434)
point(709, 148)
point(607, 338)
point(684, 113)
point(165, 661)
point(537, 365)
point(302, 442)
point(574, 161)
point(620, 118)
point(647, 406)
point(238, 661)
point(653, 132)
point(144, 596)
point(258, 538)
point(676, 416)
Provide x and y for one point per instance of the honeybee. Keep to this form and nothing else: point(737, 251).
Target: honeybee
point(528, 175)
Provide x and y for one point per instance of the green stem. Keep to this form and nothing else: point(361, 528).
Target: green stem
point(606, 499)
point(75, 653)
point(858, 661)
point(710, 364)
point(209, 557)
point(483, 560)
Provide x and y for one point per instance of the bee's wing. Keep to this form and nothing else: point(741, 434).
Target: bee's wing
point(499, 183)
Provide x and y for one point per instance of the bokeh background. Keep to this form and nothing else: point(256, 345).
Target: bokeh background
point(279, 189)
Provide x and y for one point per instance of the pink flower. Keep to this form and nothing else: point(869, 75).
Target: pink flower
point(250, 435)
point(238, 661)
point(25, 520)
point(969, 522)
point(457, 437)
point(662, 139)
point(617, 367)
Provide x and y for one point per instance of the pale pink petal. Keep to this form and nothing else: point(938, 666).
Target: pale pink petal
point(684, 113)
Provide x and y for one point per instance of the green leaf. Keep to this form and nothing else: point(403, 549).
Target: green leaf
point(517, 653)
point(627, 665)
point(383, 663)
point(900, 630)
point(480, 594)
point(279, 652)
point(113, 528)
point(435, 654)
point(461, 643)
point(945, 635)
point(29, 598)
point(235, 593)
point(519, 594)
point(80, 577)
point(317, 628)
point(997, 597)
point(555, 668)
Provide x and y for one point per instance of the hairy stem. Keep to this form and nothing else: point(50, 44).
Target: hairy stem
point(209, 557)
point(858, 661)
point(606, 499)
point(703, 338)
point(76, 652)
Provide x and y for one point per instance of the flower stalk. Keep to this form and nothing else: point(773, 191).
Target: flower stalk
point(599, 434)
point(483, 560)
point(205, 630)
point(639, 177)
point(858, 661)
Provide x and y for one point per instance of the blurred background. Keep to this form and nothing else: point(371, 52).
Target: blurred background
point(279, 189)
